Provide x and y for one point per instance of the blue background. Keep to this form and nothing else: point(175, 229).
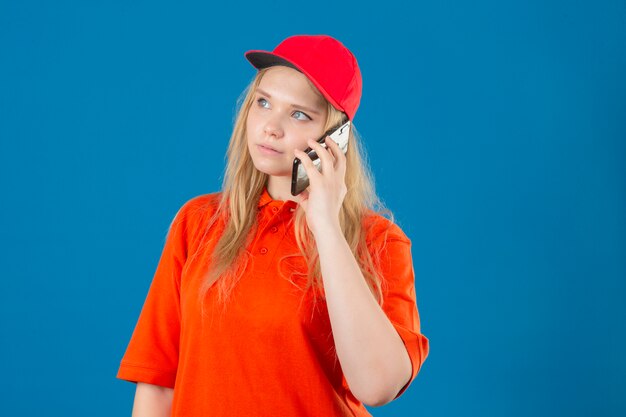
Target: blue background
point(496, 132)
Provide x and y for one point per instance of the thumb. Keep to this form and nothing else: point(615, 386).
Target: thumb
point(303, 198)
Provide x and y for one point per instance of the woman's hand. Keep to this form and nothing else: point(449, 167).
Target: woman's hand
point(324, 196)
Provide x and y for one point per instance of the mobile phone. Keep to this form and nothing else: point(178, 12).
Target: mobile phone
point(299, 178)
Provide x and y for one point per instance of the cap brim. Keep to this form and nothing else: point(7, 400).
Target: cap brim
point(264, 59)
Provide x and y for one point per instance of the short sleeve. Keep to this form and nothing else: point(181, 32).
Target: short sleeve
point(400, 304)
point(152, 353)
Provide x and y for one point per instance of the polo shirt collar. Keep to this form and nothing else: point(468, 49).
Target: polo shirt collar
point(266, 200)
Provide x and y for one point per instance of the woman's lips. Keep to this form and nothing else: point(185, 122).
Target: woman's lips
point(268, 151)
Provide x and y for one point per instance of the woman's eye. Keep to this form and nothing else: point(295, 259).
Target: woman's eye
point(299, 113)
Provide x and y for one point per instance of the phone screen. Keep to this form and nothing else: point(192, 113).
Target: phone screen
point(299, 179)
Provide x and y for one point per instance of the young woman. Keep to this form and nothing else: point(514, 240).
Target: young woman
point(269, 304)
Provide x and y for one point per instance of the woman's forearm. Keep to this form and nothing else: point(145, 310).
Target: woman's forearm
point(152, 401)
point(373, 357)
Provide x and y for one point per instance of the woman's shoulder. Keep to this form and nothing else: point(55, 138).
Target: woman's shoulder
point(199, 207)
point(379, 228)
point(203, 201)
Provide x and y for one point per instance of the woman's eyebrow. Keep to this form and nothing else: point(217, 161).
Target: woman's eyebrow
point(293, 105)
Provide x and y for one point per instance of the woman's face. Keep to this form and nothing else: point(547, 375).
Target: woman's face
point(286, 112)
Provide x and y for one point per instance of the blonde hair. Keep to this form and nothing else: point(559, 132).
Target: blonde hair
point(237, 208)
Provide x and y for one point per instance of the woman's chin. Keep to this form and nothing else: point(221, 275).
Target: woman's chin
point(272, 169)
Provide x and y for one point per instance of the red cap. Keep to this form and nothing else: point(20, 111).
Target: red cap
point(330, 66)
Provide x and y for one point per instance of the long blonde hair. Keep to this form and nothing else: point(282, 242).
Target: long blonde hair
point(237, 208)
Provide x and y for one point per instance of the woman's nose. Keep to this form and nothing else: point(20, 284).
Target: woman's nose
point(273, 127)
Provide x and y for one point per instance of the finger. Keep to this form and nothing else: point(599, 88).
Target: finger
point(340, 157)
point(324, 155)
point(307, 163)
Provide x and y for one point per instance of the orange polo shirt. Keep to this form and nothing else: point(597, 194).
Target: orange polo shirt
point(270, 353)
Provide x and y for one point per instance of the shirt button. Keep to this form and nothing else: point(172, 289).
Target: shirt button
point(263, 251)
point(274, 229)
point(274, 209)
